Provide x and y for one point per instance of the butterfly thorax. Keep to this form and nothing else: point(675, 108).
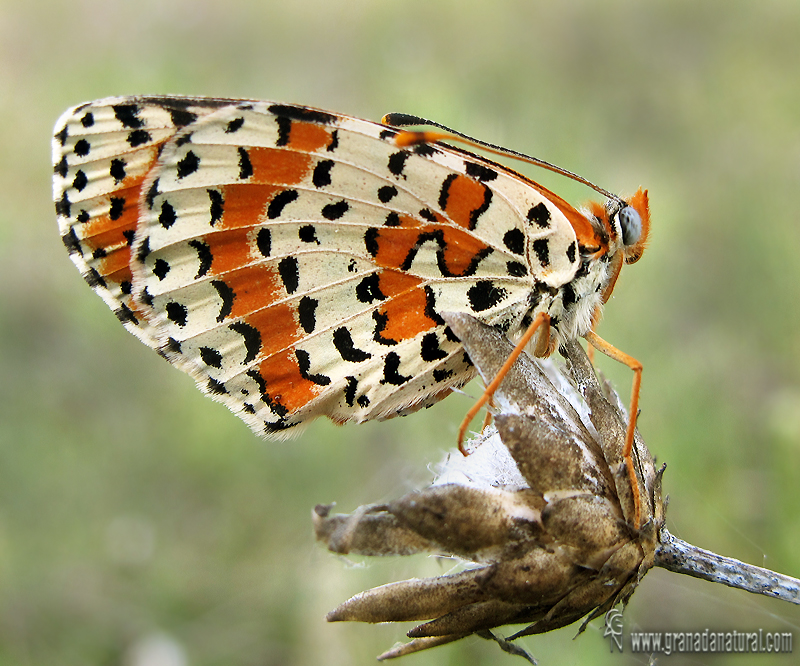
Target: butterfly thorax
point(607, 237)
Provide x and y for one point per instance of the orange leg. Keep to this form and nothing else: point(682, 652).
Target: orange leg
point(488, 419)
point(541, 318)
point(612, 352)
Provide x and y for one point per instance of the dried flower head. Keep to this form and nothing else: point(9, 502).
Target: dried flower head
point(543, 510)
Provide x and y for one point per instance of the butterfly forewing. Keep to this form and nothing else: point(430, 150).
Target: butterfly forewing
point(294, 261)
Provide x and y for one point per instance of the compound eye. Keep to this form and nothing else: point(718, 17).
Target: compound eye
point(631, 223)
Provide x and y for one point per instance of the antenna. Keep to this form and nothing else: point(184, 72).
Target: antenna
point(408, 138)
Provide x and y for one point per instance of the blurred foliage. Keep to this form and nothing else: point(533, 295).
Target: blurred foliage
point(140, 521)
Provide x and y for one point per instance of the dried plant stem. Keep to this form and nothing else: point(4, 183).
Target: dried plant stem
point(676, 555)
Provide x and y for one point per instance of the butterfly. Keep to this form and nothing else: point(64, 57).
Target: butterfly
point(295, 261)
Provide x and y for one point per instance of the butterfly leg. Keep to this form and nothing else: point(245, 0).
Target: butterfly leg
point(612, 352)
point(541, 319)
point(488, 419)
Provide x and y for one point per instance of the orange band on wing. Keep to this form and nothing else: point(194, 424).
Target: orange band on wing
point(465, 198)
point(405, 316)
point(284, 383)
point(255, 288)
point(308, 137)
point(278, 166)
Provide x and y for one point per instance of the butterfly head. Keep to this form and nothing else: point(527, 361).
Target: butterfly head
point(621, 228)
point(632, 223)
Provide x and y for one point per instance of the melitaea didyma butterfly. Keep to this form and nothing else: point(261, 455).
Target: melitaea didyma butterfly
point(295, 261)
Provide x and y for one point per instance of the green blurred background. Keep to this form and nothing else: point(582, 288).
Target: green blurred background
point(143, 525)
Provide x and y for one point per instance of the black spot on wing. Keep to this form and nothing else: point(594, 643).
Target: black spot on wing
point(234, 125)
point(430, 306)
point(397, 162)
point(128, 115)
point(152, 193)
point(227, 295)
point(71, 242)
point(484, 295)
point(181, 117)
point(304, 365)
point(371, 241)
point(321, 176)
point(514, 240)
point(369, 290)
point(307, 313)
point(539, 215)
point(387, 193)
point(343, 341)
point(125, 315)
point(80, 181)
point(117, 170)
point(442, 374)
point(350, 390)
point(251, 337)
point(272, 427)
point(245, 166)
point(61, 136)
point(204, 257)
point(264, 241)
point(160, 268)
point(430, 349)
point(571, 252)
point(216, 387)
point(138, 138)
point(308, 234)
point(444, 190)
point(167, 216)
point(217, 207)
point(336, 210)
point(428, 214)
point(284, 130)
point(542, 249)
point(188, 165)
point(480, 171)
point(302, 113)
point(425, 150)
point(63, 205)
point(82, 147)
point(116, 208)
point(177, 313)
point(94, 279)
point(211, 357)
point(391, 374)
point(279, 202)
point(290, 274)
point(62, 168)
